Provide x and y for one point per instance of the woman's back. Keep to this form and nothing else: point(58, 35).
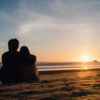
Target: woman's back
point(28, 70)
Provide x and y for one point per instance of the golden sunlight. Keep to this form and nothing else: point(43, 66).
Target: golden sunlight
point(85, 58)
point(85, 67)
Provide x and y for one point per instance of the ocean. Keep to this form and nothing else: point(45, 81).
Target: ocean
point(64, 66)
point(67, 67)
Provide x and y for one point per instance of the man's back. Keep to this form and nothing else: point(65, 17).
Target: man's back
point(11, 63)
point(11, 66)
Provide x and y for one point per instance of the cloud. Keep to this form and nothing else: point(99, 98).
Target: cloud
point(40, 21)
point(56, 26)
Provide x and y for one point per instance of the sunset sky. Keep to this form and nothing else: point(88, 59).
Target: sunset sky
point(54, 30)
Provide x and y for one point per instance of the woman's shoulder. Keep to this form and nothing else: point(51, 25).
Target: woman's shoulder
point(33, 57)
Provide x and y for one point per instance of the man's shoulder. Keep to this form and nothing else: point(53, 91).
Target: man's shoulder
point(9, 53)
point(18, 53)
point(5, 53)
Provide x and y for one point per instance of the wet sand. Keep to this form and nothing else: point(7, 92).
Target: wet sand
point(56, 85)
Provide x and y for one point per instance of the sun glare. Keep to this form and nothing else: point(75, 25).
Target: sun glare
point(85, 58)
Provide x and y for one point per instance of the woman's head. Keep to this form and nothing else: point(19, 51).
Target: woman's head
point(24, 50)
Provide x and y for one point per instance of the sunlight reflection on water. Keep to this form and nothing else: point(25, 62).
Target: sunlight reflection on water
point(68, 67)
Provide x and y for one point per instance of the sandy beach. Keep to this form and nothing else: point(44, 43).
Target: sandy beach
point(57, 85)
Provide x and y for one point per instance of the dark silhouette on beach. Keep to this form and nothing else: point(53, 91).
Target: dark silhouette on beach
point(18, 66)
point(11, 63)
point(28, 65)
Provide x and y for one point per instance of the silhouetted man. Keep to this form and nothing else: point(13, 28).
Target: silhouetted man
point(11, 63)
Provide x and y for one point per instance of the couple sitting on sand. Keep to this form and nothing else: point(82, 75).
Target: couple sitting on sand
point(18, 66)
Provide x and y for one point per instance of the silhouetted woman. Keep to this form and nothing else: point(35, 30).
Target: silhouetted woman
point(28, 70)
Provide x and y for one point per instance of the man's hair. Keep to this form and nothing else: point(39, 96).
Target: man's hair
point(13, 44)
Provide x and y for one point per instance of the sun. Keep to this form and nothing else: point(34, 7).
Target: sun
point(85, 58)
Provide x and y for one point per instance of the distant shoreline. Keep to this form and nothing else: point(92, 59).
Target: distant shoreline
point(95, 62)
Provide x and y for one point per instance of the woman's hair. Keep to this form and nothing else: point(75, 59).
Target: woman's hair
point(24, 50)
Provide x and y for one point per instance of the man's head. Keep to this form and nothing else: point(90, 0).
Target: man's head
point(13, 44)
